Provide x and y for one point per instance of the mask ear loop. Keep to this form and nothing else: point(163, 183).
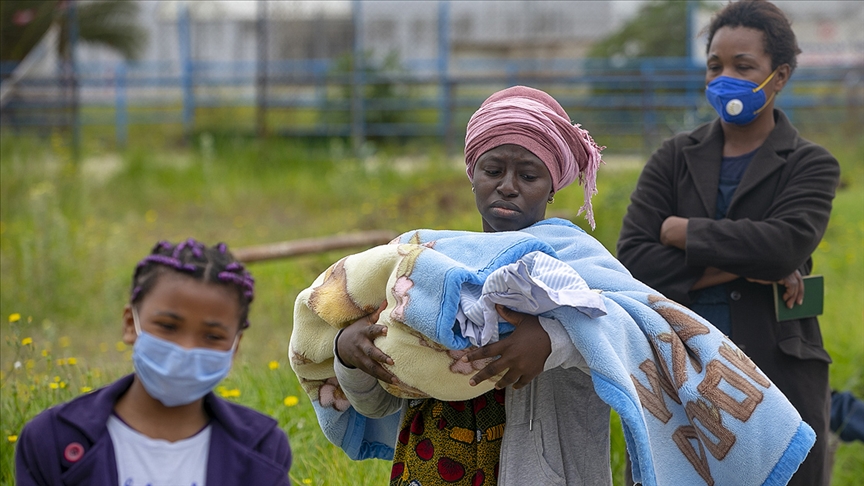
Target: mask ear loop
point(136, 321)
point(236, 340)
point(757, 88)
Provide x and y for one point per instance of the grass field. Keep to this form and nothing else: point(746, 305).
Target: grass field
point(70, 235)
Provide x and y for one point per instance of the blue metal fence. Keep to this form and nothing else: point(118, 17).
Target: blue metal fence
point(649, 99)
point(638, 102)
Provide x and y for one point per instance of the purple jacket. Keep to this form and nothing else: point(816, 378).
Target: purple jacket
point(69, 444)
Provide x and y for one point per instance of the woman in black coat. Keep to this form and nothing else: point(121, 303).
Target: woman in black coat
point(720, 213)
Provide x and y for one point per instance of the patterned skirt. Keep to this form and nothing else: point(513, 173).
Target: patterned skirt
point(450, 443)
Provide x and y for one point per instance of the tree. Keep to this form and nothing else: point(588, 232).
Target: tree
point(110, 23)
point(658, 30)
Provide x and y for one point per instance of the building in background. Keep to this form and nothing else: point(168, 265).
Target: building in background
point(296, 57)
point(829, 31)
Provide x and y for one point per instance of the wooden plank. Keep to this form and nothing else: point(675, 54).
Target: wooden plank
point(286, 249)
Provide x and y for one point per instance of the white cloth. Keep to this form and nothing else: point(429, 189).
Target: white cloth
point(155, 462)
point(534, 284)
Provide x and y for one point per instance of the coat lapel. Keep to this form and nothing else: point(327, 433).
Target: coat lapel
point(703, 162)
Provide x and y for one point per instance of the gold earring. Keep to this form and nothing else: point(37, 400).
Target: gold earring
point(472, 189)
point(551, 200)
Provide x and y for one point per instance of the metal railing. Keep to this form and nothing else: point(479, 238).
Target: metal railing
point(647, 100)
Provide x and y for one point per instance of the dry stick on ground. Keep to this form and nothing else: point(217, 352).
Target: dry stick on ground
point(291, 248)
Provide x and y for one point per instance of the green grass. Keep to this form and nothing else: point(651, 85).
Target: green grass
point(70, 235)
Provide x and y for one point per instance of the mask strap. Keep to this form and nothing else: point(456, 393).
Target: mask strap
point(757, 88)
point(136, 321)
point(236, 340)
point(766, 104)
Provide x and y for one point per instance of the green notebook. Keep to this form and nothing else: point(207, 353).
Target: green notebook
point(814, 294)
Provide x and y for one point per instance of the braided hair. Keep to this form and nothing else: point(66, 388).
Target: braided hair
point(213, 264)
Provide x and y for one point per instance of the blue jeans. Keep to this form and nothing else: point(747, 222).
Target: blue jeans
point(847, 416)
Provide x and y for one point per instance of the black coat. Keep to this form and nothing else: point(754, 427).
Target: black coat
point(775, 221)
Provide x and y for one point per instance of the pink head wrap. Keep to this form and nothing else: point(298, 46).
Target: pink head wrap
point(532, 119)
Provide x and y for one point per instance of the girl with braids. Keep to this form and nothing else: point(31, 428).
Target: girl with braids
point(163, 425)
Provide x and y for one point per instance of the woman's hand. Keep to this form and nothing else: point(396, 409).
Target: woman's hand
point(356, 349)
point(524, 351)
point(673, 232)
point(794, 284)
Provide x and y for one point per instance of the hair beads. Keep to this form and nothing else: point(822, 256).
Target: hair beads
point(209, 264)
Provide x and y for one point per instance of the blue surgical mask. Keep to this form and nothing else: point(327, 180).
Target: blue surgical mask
point(738, 101)
point(173, 374)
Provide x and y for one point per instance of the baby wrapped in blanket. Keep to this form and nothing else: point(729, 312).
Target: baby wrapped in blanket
point(692, 404)
point(695, 409)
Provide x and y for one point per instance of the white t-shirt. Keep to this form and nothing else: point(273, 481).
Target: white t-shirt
point(142, 461)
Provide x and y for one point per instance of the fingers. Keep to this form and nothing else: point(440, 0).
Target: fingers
point(489, 351)
point(373, 317)
point(371, 350)
point(794, 294)
point(356, 348)
point(800, 285)
point(374, 368)
point(510, 315)
point(369, 358)
point(491, 370)
point(520, 356)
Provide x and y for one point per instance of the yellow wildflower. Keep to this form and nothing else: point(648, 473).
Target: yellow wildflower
point(53, 386)
point(64, 341)
point(290, 401)
point(26, 341)
point(56, 379)
point(120, 346)
point(273, 365)
point(62, 384)
point(307, 481)
point(12, 438)
point(44, 352)
point(85, 389)
point(72, 361)
point(15, 317)
point(60, 361)
point(226, 393)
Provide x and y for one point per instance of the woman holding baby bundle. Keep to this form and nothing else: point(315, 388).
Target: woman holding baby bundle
point(496, 356)
point(520, 149)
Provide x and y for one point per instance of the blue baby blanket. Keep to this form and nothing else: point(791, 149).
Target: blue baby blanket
point(694, 407)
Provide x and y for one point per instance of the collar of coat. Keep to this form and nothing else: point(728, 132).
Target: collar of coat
point(704, 157)
point(89, 414)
